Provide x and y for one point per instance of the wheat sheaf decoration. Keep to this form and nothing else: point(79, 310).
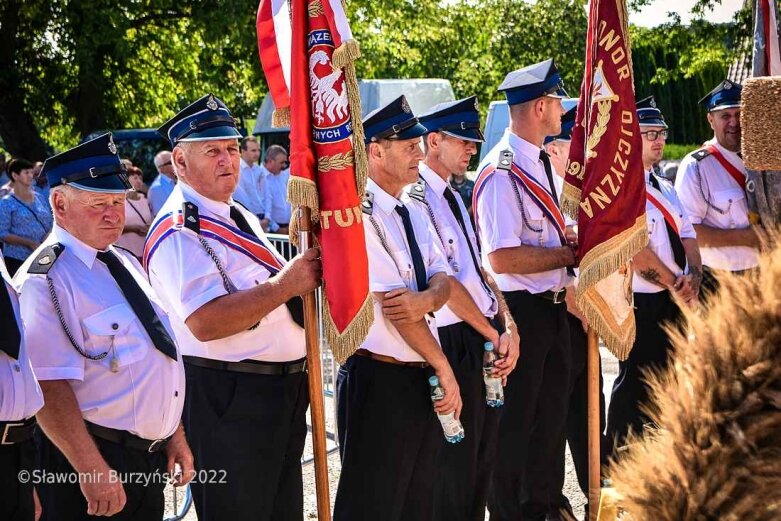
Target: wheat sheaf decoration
point(717, 452)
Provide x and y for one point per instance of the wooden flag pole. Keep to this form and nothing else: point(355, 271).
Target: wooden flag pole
point(316, 406)
point(594, 449)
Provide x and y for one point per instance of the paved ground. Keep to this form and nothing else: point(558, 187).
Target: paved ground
point(571, 489)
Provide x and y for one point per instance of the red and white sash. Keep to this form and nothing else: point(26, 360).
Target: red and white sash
point(661, 203)
point(731, 169)
point(211, 228)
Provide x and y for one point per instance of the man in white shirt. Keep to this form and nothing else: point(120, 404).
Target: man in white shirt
point(164, 183)
point(667, 274)
point(20, 399)
point(711, 184)
point(388, 432)
point(274, 193)
point(248, 192)
point(474, 315)
point(103, 350)
point(235, 307)
point(522, 234)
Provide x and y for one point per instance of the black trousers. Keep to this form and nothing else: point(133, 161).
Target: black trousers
point(577, 413)
point(651, 351)
point(464, 469)
point(65, 501)
point(16, 498)
point(247, 431)
point(388, 437)
point(534, 417)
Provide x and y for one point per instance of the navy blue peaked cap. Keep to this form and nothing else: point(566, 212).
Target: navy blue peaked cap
point(567, 121)
point(725, 96)
point(393, 121)
point(93, 166)
point(203, 120)
point(648, 114)
point(532, 82)
point(458, 118)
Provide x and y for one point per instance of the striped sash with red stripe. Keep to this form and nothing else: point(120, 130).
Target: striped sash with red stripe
point(731, 169)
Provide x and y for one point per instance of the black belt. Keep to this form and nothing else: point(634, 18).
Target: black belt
point(17, 432)
point(557, 297)
point(126, 439)
point(249, 366)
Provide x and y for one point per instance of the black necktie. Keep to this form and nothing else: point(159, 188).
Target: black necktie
point(10, 339)
point(414, 250)
point(294, 305)
point(138, 300)
point(545, 158)
point(453, 204)
point(679, 253)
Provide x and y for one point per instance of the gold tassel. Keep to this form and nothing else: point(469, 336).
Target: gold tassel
point(303, 192)
point(348, 341)
point(570, 200)
point(281, 117)
point(348, 52)
point(359, 149)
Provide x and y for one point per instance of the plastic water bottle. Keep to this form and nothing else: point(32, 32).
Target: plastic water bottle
point(494, 393)
point(454, 431)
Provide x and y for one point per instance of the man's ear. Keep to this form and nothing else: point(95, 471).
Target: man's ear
point(375, 150)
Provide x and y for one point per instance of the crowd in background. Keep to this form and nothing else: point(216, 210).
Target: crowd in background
point(26, 217)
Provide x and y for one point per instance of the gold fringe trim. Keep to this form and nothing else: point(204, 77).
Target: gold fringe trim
point(301, 192)
point(335, 162)
point(315, 9)
point(359, 149)
point(570, 200)
point(599, 263)
point(281, 117)
point(348, 52)
point(348, 341)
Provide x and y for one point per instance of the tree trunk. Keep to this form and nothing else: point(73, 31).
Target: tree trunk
point(19, 133)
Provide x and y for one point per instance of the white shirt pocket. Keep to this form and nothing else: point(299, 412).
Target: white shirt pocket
point(403, 262)
point(535, 229)
point(733, 203)
point(118, 332)
point(450, 240)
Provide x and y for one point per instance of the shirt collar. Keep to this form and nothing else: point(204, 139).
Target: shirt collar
point(437, 184)
point(732, 156)
point(217, 208)
point(85, 253)
point(386, 202)
point(520, 145)
point(243, 164)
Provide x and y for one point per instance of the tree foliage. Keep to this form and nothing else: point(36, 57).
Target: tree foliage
point(71, 67)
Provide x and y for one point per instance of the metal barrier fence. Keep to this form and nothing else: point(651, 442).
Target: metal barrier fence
point(329, 371)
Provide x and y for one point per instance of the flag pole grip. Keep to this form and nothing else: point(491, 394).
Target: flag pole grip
point(594, 449)
point(316, 406)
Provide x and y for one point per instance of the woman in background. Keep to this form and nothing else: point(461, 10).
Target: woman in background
point(25, 218)
point(138, 215)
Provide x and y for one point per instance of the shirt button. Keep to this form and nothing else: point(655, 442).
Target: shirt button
point(17, 368)
point(176, 394)
point(114, 326)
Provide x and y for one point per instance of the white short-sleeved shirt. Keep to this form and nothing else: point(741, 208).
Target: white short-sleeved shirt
point(710, 196)
point(501, 223)
point(20, 394)
point(248, 191)
point(454, 245)
point(658, 239)
point(146, 394)
point(186, 278)
point(390, 267)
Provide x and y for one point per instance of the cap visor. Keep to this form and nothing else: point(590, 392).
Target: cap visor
point(469, 134)
point(209, 134)
point(105, 184)
point(653, 123)
point(410, 133)
point(733, 105)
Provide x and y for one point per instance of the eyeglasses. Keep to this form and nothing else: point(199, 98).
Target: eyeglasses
point(653, 135)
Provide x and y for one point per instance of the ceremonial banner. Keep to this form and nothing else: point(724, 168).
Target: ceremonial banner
point(320, 99)
point(605, 186)
point(766, 59)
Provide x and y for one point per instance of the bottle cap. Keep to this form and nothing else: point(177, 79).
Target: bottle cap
point(433, 381)
point(488, 346)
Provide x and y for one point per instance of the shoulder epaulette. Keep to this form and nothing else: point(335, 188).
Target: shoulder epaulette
point(417, 191)
point(505, 160)
point(367, 206)
point(46, 259)
point(190, 216)
point(701, 154)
